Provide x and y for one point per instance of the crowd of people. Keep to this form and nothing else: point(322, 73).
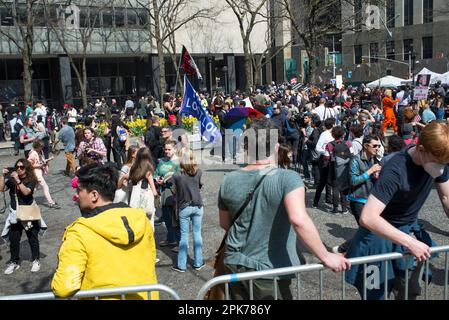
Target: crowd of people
point(375, 153)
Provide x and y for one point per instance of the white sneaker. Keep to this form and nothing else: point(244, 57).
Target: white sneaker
point(11, 268)
point(36, 266)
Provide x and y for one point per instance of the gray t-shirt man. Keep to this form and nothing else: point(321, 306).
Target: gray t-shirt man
point(262, 237)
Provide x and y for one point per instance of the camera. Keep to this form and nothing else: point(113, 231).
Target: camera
point(10, 170)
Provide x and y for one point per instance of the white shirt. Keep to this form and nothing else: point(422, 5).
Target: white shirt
point(72, 115)
point(324, 139)
point(40, 112)
point(12, 123)
point(325, 113)
point(357, 145)
point(403, 101)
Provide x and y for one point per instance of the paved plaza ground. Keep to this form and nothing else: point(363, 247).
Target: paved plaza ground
point(333, 231)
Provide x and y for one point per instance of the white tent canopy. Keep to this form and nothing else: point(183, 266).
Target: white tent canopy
point(388, 81)
point(444, 78)
point(434, 76)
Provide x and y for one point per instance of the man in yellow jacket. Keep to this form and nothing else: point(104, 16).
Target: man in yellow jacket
point(111, 245)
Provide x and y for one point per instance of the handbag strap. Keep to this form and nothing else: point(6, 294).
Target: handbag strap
point(249, 197)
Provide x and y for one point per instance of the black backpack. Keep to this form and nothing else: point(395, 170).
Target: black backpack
point(17, 127)
point(340, 165)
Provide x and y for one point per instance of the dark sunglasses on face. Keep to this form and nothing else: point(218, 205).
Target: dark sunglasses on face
point(375, 146)
point(20, 167)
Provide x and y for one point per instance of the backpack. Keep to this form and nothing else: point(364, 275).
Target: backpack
point(121, 133)
point(17, 127)
point(339, 165)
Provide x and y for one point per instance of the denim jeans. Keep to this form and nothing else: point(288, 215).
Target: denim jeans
point(194, 214)
point(305, 163)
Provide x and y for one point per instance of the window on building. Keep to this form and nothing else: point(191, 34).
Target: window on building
point(427, 47)
point(408, 12)
point(390, 50)
point(131, 17)
point(374, 52)
point(142, 14)
point(358, 14)
point(107, 18)
point(89, 17)
point(39, 16)
point(391, 14)
point(119, 17)
point(6, 18)
point(408, 47)
point(358, 54)
point(22, 15)
point(427, 11)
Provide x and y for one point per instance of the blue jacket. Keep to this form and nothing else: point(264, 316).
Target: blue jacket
point(361, 182)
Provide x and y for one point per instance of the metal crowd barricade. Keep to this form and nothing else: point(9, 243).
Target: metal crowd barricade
point(298, 270)
point(97, 293)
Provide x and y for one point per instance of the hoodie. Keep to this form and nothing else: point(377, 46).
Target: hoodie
point(112, 248)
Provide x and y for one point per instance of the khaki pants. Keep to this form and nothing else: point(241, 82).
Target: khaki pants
point(70, 163)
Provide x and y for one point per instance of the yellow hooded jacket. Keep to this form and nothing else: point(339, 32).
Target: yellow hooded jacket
point(114, 248)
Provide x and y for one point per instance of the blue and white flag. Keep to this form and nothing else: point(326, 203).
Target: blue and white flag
point(192, 105)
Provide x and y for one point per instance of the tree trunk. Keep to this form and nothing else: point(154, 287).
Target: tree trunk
point(258, 74)
point(27, 76)
point(162, 82)
point(311, 75)
point(160, 51)
point(84, 85)
point(248, 68)
point(27, 53)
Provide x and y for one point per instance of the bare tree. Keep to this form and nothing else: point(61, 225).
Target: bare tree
point(275, 22)
point(166, 17)
point(77, 41)
point(314, 20)
point(24, 16)
point(249, 13)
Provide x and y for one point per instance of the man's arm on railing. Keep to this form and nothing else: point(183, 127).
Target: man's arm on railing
point(72, 259)
point(306, 231)
point(372, 220)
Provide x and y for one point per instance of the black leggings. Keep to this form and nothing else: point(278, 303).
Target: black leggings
point(15, 234)
point(118, 151)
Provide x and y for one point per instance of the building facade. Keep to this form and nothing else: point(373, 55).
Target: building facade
point(407, 36)
point(115, 38)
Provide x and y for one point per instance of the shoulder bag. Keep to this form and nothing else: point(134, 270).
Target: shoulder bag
point(27, 212)
point(218, 292)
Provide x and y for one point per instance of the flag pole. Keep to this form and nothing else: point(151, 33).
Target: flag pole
point(177, 74)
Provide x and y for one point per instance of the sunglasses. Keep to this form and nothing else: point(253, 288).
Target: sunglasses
point(20, 167)
point(375, 146)
point(164, 131)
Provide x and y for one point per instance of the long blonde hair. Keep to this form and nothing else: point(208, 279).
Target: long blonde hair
point(187, 161)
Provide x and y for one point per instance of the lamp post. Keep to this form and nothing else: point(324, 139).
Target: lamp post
point(209, 58)
point(225, 70)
